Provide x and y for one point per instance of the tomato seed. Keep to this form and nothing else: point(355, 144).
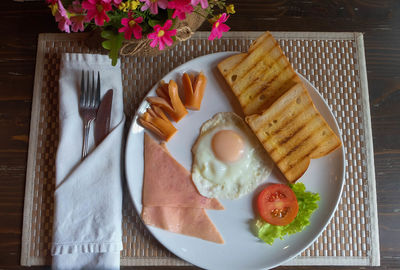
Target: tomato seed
point(280, 212)
point(276, 195)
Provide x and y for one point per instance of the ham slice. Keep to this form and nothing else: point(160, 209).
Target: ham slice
point(188, 221)
point(171, 200)
point(168, 183)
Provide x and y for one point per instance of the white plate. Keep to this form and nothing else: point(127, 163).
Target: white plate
point(242, 249)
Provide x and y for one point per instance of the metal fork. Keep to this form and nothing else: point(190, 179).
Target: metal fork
point(89, 101)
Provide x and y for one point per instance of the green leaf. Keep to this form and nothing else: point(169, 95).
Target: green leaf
point(308, 203)
point(112, 43)
point(173, 23)
point(145, 27)
point(153, 22)
point(170, 12)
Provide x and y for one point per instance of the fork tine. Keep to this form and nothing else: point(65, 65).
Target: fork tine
point(91, 100)
point(82, 94)
point(97, 97)
point(87, 93)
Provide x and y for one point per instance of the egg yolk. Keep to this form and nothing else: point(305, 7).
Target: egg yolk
point(227, 145)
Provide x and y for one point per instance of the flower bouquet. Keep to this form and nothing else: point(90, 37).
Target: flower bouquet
point(156, 24)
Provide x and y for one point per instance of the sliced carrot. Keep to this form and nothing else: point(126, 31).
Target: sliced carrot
point(156, 121)
point(194, 90)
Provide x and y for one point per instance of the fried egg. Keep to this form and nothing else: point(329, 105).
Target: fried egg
point(228, 159)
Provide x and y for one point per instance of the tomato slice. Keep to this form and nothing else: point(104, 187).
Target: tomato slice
point(277, 204)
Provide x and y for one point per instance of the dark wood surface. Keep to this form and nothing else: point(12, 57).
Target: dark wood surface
point(379, 20)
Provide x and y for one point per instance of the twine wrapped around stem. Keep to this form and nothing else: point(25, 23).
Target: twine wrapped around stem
point(185, 29)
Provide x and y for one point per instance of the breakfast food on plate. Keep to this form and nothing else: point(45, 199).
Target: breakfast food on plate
point(168, 99)
point(170, 199)
point(188, 221)
point(277, 107)
point(259, 77)
point(168, 183)
point(193, 88)
point(277, 204)
point(293, 132)
point(156, 121)
point(228, 160)
point(273, 198)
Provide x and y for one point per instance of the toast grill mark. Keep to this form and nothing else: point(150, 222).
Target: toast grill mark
point(257, 76)
point(251, 59)
point(307, 155)
point(274, 93)
point(282, 128)
point(299, 161)
point(272, 65)
point(251, 103)
point(259, 66)
point(294, 117)
point(227, 72)
point(260, 61)
point(258, 88)
point(286, 121)
point(283, 144)
point(260, 40)
point(298, 146)
point(287, 138)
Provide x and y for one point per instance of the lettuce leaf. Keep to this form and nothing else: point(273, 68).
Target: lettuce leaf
point(308, 203)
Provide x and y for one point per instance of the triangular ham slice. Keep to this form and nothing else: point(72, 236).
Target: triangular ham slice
point(171, 200)
point(168, 183)
point(183, 220)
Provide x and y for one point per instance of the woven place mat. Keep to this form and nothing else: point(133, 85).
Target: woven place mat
point(333, 62)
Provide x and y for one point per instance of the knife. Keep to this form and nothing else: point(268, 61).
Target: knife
point(102, 126)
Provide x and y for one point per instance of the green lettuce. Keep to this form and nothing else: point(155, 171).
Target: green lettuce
point(308, 203)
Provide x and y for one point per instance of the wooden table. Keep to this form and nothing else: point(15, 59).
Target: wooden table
point(379, 20)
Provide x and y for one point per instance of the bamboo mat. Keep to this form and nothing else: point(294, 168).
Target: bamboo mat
point(333, 62)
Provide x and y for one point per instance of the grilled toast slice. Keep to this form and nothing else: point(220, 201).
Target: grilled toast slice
point(260, 76)
point(293, 132)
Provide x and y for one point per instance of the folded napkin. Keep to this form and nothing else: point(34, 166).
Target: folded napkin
point(88, 196)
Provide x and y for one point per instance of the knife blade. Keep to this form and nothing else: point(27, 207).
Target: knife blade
point(102, 126)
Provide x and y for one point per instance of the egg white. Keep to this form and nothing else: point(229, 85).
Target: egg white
point(216, 179)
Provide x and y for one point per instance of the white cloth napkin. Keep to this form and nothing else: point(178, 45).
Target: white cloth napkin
point(87, 229)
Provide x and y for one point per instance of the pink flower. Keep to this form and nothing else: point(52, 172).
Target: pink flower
point(78, 17)
point(219, 27)
point(64, 24)
point(97, 9)
point(131, 26)
point(181, 8)
point(162, 36)
point(153, 5)
point(204, 3)
point(77, 23)
point(116, 2)
point(61, 17)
